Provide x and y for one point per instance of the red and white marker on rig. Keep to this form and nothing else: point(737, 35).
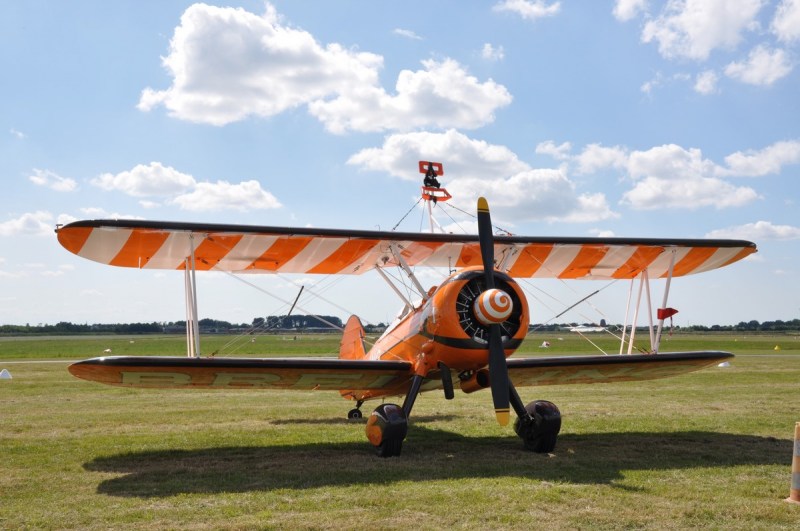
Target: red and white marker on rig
point(794, 492)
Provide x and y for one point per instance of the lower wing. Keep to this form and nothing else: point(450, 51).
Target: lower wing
point(372, 377)
point(606, 369)
point(326, 374)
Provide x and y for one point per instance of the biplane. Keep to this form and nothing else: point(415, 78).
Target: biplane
point(461, 333)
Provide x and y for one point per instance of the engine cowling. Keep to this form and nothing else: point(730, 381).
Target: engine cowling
point(459, 317)
point(507, 301)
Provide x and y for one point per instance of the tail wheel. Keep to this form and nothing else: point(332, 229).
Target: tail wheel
point(539, 430)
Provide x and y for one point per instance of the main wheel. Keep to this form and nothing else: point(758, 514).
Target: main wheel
point(386, 428)
point(539, 431)
point(354, 413)
point(390, 448)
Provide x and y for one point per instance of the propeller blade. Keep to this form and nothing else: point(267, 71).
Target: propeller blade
point(498, 375)
point(486, 240)
point(498, 370)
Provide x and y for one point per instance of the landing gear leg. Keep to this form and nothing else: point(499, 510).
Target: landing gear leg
point(537, 424)
point(388, 425)
point(355, 413)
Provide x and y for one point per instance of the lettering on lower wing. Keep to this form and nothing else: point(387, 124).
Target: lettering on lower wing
point(244, 379)
point(606, 374)
point(327, 381)
point(380, 382)
point(155, 379)
point(318, 381)
point(291, 380)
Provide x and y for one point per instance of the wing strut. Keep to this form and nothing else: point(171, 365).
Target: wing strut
point(409, 273)
point(192, 323)
point(627, 313)
point(635, 321)
point(405, 300)
point(664, 305)
point(644, 286)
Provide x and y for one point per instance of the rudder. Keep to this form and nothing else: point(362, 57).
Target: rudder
point(352, 344)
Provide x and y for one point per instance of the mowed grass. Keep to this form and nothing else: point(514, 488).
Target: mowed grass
point(709, 449)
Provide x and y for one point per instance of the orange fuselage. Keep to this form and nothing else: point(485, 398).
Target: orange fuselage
point(443, 329)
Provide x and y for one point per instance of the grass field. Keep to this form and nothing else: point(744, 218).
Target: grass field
point(709, 449)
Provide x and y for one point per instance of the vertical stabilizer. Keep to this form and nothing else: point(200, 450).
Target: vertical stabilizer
point(352, 345)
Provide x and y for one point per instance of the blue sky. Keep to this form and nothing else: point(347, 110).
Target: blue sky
point(627, 118)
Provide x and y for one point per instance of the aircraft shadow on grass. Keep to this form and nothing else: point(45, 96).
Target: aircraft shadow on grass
point(363, 420)
point(428, 454)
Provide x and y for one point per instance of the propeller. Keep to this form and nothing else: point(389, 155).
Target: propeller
point(498, 370)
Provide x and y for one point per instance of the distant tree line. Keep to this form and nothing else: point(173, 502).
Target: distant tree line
point(290, 322)
point(270, 323)
point(323, 323)
point(66, 328)
point(751, 326)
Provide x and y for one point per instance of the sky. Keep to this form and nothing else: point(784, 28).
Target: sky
point(627, 118)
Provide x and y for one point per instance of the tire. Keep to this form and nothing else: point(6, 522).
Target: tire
point(386, 429)
point(539, 433)
point(390, 448)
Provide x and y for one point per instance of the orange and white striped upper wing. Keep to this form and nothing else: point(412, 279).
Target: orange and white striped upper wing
point(244, 248)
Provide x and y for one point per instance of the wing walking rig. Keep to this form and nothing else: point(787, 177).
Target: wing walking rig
point(463, 330)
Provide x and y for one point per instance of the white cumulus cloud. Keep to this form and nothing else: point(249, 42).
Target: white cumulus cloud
point(558, 152)
point(466, 157)
point(671, 176)
point(535, 194)
point(763, 66)
point(686, 193)
point(595, 157)
point(222, 195)
point(760, 230)
point(706, 82)
point(786, 24)
point(625, 10)
point(407, 33)
point(694, 28)
point(228, 64)
point(441, 95)
point(53, 181)
point(153, 179)
point(102, 213)
point(492, 53)
point(177, 188)
point(39, 223)
point(529, 9)
point(767, 161)
point(476, 168)
point(600, 233)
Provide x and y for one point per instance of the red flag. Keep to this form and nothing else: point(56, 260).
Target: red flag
point(663, 313)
